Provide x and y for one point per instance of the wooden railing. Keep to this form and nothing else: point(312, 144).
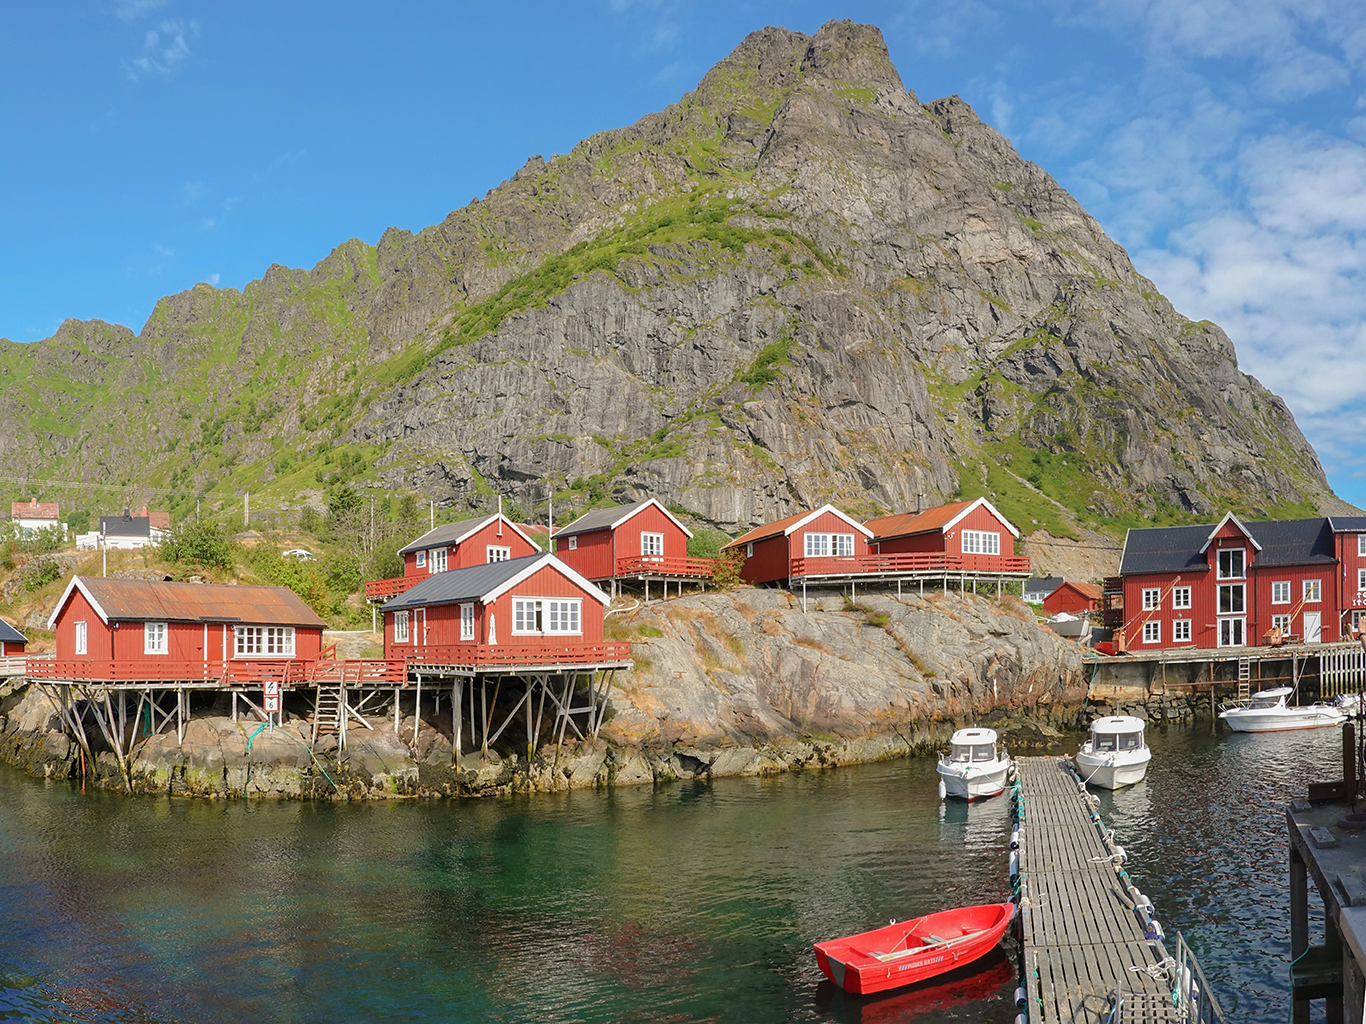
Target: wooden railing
point(915, 562)
point(509, 655)
point(375, 589)
point(666, 565)
point(288, 672)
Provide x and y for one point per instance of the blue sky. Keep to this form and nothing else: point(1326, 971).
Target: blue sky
point(152, 144)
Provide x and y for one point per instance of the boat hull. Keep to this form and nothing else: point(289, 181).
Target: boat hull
point(911, 951)
point(1282, 719)
point(1109, 772)
point(973, 783)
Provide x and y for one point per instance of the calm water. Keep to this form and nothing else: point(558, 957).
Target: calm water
point(693, 902)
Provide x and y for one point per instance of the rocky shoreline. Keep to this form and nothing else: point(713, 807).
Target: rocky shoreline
point(744, 683)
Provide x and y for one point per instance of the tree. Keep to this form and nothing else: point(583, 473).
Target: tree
point(201, 542)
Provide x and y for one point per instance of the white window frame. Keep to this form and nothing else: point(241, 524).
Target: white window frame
point(980, 542)
point(467, 621)
point(263, 641)
point(1313, 591)
point(1280, 592)
point(556, 616)
point(498, 553)
point(817, 545)
point(1281, 622)
point(1361, 544)
point(1361, 577)
point(1357, 615)
point(420, 559)
point(1152, 598)
point(401, 627)
point(749, 550)
point(82, 638)
point(1181, 631)
point(437, 562)
point(1152, 631)
point(1219, 563)
point(1227, 622)
point(1181, 597)
point(573, 543)
point(652, 545)
point(1218, 600)
point(154, 638)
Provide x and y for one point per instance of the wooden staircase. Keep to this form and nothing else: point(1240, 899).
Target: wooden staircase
point(332, 679)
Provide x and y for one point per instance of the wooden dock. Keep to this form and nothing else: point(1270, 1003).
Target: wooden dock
point(1087, 943)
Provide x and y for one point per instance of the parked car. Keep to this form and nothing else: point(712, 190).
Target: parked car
point(300, 553)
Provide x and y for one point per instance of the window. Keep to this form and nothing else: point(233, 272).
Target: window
point(1231, 598)
point(1152, 632)
point(1281, 622)
point(573, 543)
point(1230, 632)
point(1361, 577)
point(1181, 597)
point(80, 638)
point(154, 638)
point(1357, 616)
point(1232, 564)
point(1313, 591)
point(1152, 598)
point(749, 550)
point(1280, 592)
point(980, 542)
point(498, 554)
point(421, 559)
point(1181, 631)
point(437, 562)
point(1361, 544)
point(264, 641)
point(825, 545)
point(467, 622)
point(544, 615)
point(652, 544)
point(400, 627)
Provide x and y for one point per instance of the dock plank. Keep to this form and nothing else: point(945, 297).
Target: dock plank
point(1083, 943)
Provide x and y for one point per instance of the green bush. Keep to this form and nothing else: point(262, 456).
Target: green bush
point(706, 543)
point(201, 542)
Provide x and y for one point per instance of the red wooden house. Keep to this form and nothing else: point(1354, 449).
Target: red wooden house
point(641, 541)
point(826, 540)
point(522, 612)
point(1230, 584)
point(973, 530)
point(11, 640)
point(478, 541)
point(125, 630)
point(1073, 598)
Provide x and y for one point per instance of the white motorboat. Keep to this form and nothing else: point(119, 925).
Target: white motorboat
point(1068, 625)
point(1267, 711)
point(974, 768)
point(1116, 755)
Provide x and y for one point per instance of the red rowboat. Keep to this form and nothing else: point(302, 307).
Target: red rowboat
point(909, 951)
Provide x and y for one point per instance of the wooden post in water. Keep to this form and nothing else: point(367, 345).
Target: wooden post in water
point(456, 685)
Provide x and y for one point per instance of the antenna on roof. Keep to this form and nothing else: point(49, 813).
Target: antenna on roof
point(500, 515)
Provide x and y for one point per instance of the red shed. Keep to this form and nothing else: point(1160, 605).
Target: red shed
point(640, 541)
point(1073, 598)
point(976, 530)
point(530, 610)
point(141, 629)
point(826, 534)
point(11, 640)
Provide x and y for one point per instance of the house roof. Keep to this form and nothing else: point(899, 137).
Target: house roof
point(35, 510)
point(125, 526)
point(939, 518)
point(165, 601)
point(484, 583)
point(454, 533)
point(1182, 548)
point(1347, 524)
point(1043, 584)
point(1088, 590)
point(10, 635)
point(1229, 517)
point(788, 524)
point(157, 520)
point(612, 517)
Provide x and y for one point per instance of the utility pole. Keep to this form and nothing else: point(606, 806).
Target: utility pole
point(372, 522)
point(432, 508)
point(246, 512)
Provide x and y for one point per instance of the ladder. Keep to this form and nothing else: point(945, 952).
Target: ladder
point(329, 703)
point(1244, 678)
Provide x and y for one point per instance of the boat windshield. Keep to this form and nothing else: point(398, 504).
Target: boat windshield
point(1130, 740)
point(973, 752)
point(1105, 741)
point(1262, 703)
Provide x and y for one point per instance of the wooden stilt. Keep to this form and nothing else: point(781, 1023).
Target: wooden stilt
point(417, 711)
point(456, 723)
point(530, 748)
point(484, 714)
point(234, 707)
point(396, 725)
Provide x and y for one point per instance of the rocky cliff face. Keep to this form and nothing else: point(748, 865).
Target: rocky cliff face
point(797, 284)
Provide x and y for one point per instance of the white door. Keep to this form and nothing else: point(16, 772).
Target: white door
point(1313, 627)
point(1231, 632)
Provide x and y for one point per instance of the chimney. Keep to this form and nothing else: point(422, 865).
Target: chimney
point(919, 503)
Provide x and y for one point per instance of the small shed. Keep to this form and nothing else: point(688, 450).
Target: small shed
point(12, 642)
point(1073, 598)
point(815, 541)
point(626, 541)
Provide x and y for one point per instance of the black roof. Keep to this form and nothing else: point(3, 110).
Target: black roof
point(467, 584)
point(1178, 548)
point(10, 635)
point(1347, 524)
point(1043, 584)
point(600, 518)
point(126, 526)
point(446, 533)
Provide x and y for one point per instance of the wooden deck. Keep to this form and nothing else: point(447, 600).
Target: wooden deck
point(1082, 935)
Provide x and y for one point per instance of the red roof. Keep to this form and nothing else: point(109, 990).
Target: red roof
point(157, 520)
point(34, 510)
point(1089, 590)
point(772, 529)
point(907, 523)
point(191, 602)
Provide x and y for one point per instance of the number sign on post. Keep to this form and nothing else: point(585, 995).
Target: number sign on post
point(272, 695)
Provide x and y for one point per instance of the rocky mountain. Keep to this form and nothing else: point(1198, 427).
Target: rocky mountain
point(797, 284)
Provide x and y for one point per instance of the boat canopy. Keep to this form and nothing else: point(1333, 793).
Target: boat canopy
point(974, 735)
point(974, 745)
point(1117, 732)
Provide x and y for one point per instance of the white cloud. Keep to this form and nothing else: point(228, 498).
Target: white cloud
point(213, 280)
point(164, 49)
point(162, 250)
point(132, 10)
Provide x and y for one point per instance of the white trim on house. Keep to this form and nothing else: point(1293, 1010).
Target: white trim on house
point(1230, 517)
point(820, 512)
point(76, 584)
point(980, 503)
point(472, 531)
point(638, 509)
point(545, 560)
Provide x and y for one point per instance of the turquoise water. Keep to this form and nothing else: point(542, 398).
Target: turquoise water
point(692, 902)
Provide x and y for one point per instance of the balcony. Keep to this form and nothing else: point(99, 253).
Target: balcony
point(667, 565)
point(472, 656)
point(382, 590)
point(290, 673)
point(909, 564)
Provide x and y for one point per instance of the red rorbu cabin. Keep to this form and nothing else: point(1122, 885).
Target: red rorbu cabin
point(119, 629)
point(642, 541)
point(822, 542)
point(973, 531)
point(493, 538)
point(1073, 598)
point(12, 642)
point(529, 611)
